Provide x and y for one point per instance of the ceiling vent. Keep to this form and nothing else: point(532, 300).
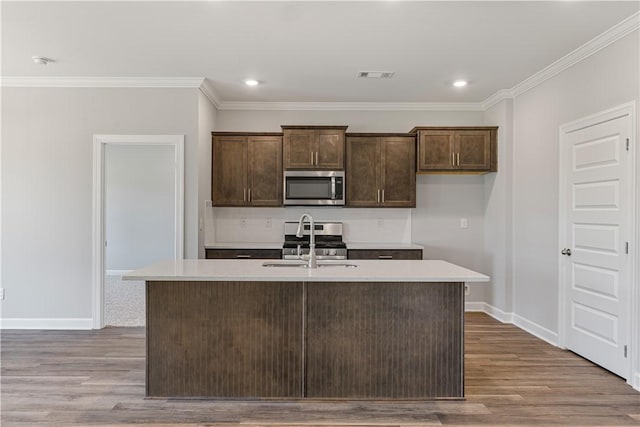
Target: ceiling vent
point(376, 74)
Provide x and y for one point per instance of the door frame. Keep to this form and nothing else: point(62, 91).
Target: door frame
point(633, 305)
point(98, 235)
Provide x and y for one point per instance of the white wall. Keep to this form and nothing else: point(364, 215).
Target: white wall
point(139, 205)
point(498, 212)
point(441, 202)
point(361, 225)
point(47, 137)
point(206, 123)
point(358, 121)
point(604, 80)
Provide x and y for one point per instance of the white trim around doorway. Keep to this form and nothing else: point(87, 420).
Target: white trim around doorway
point(98, 237)
point(627, 109)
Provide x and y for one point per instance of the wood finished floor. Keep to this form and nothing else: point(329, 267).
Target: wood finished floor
point(84, 378)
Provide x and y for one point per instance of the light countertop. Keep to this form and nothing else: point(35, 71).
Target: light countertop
point(253, 270)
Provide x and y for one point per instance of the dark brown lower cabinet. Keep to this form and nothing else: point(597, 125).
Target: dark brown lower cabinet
point(384, 254)
point(243, 253)
point(352, 340)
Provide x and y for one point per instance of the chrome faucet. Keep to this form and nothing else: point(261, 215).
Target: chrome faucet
point(312, 239)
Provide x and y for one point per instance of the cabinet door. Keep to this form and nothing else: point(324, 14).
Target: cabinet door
point(265, 171)
point(329, 151)
point(363, 172)
point(398, 171)
point(299, 149)
point(410, 254)
point(243, 253)
point(436, 150)
point(229, 171)
point(474, 149)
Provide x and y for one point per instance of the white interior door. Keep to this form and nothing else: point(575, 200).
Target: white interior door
point(596, 168)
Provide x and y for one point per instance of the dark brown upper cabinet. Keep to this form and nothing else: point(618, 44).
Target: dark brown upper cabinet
point(457, 149)
point(314, 147)
point(381, 170)
point(246, 169)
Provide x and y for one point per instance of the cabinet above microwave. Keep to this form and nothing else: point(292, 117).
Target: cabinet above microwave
point(313, 147)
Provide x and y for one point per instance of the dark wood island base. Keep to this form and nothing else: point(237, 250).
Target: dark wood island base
point(355, 340)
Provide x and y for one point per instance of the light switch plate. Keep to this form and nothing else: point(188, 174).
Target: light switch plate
point(464, 223)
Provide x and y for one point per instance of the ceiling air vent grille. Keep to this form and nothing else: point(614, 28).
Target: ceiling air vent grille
point(376, 74)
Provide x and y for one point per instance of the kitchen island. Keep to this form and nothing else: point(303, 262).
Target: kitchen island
point(364, 330)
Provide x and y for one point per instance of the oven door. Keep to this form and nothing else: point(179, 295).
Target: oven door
point(315, 188)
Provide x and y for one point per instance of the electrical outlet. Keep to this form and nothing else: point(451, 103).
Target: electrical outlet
point(466, 289)
point(268, 223)
point(464, 223)
point(201, 224)
point(2, 294)
point(243, 223)
point(380, 223)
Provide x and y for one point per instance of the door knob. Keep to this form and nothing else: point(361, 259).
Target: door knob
point(566, 251)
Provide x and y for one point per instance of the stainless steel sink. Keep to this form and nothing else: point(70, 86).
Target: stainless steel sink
point(335, 264)
point(284, 264)
point(303, 264)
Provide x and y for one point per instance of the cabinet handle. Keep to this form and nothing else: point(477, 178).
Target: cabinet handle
point(453, 159)
point(244, 194)
point(316, 158)
point(385, 256)
point(249, 195)
point(243, 256)
point(383, 195)
point(311, 152)
point(378, 199)
point(458, 155)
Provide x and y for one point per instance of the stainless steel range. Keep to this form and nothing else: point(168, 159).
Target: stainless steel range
point(329, 244)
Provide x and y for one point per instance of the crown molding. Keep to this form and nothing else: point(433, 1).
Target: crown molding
point(352, 106)
point(110, 82)
point(500, 95)
point(594, 45)
point(207, 89)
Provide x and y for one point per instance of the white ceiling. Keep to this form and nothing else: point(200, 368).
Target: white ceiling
point(307, 51)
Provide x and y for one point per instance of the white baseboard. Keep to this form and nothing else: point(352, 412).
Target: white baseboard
point(46, 323)
point(536, 330)
point(635, 380)
point(498, 314)
point(524, 324)
point(473, 306)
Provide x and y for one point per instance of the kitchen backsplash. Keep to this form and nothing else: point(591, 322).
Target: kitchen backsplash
point(267, 224)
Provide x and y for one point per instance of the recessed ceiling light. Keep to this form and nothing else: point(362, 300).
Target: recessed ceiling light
point(459, 83)
point(251, 82)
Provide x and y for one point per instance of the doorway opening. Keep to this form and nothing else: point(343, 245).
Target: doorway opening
point(138, 196)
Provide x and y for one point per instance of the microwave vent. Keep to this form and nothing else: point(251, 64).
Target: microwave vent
point(376, 74)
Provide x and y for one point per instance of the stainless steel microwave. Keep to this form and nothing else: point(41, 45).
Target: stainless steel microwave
point(314, 188)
